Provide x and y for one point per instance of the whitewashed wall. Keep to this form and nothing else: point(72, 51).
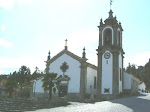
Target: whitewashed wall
point(37, 87)
point(142, 86)
point(73, 72)
point(127, 80)
point(107, 73)
point(91, 73)
point(120, 67)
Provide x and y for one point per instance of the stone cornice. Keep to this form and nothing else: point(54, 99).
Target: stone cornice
point(112, 49)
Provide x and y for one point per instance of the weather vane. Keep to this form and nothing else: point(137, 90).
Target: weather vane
point(110, 3)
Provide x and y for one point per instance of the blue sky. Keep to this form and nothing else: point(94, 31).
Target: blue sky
point(30, 28)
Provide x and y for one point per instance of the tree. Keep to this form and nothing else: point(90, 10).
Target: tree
point(49, 82)
point(131, 69)
point(23, 76)
point(37, 73)
point(141, 72)
point(11, 87)
point(147, 75)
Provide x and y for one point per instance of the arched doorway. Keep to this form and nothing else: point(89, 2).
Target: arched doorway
point(63, 85)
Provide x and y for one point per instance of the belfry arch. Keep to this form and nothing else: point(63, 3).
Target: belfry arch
point(107, 36)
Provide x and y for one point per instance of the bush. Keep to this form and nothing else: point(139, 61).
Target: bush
point(25, 93)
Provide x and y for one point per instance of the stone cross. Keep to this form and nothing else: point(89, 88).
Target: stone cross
point(66, 42)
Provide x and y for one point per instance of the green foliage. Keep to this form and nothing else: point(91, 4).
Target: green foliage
point(49, 82)
point(25, 93)
point(24, 75)
point(11, 87)
point(147, 75)
point(22, 79)
point(141, 72)
point(36, 74)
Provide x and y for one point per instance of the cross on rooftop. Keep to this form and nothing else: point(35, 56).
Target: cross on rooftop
point(66, 42)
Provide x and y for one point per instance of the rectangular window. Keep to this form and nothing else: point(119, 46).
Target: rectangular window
point(106, 90)
point(106, 61)
point(94, 82)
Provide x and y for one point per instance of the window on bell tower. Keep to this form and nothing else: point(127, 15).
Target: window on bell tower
point(108, 37)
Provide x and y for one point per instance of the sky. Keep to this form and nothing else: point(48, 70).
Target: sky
point(30, 28)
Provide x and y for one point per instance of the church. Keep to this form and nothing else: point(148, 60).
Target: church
point(79, 78)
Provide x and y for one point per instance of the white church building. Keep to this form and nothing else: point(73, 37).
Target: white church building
point(78, 77)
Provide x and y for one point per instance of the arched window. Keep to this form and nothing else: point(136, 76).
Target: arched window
point(108, 37)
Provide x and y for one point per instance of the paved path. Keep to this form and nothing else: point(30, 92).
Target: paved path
point(131, 104)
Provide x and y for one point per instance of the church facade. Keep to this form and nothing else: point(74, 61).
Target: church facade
point(79, 78)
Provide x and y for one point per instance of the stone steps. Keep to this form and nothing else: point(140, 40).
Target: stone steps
point(17, 105)
point(21, 105)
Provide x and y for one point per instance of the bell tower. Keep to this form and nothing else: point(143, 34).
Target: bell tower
point(110, 58)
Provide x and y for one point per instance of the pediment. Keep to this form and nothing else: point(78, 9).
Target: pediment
point(63, 78)
point(72, 55)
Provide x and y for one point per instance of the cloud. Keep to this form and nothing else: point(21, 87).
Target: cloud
point(84, 38)
point(139, 59)
point(88, 39)
point(9, 4)
point(3, 28)
point(24, 1)
point(5, 43)
point(6, 4)
point(65, 2)
point(76, 42)
point(1, 72)
point(70, 1)
point(10, 64)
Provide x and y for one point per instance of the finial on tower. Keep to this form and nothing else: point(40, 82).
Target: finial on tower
point(48, 58)
point(66, 44)
point(83, 54)
point(110, 14)
point(101, 21)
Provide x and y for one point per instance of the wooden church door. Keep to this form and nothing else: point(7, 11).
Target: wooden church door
point(63, 90)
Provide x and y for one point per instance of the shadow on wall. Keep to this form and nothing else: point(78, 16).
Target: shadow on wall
point(137, 103)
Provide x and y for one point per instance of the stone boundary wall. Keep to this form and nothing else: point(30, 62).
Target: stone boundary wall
point(69, 97)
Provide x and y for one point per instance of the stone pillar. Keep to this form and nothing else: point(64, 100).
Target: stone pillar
point(122, 74)
point(31, 90)
point(115, 73)
point(115, 36)
point(83, 78)
point(47, 67)
point(99, 75)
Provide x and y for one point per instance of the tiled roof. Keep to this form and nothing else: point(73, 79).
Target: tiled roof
point(64, 51)
point(92, 66)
